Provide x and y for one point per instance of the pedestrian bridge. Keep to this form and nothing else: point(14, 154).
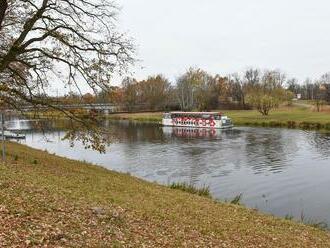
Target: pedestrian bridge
point(105, 108)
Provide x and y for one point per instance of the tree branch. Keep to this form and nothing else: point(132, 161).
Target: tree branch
point(3, 8)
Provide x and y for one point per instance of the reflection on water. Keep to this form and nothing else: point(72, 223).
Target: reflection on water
point(320, 142)
point(279, 171)
point(14, 125)
point(182, 132)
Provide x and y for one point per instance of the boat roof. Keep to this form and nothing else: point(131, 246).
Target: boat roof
point(197, 113)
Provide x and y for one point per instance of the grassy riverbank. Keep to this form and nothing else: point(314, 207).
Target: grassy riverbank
point(50, 200)
point(291, 117)
point(153, 117)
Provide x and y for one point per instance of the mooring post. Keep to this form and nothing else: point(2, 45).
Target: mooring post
point(3, 138)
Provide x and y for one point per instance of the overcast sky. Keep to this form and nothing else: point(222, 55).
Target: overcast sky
point(223, 36)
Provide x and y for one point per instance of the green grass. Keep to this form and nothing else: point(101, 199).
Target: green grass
point(285, 117)
point(190, 188)
point(58, 202)
point(290, 117)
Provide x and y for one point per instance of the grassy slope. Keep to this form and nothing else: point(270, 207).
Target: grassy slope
point(295, 117)
point(45, 199)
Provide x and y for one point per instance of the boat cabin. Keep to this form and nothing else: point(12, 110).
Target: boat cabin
point(197, 119)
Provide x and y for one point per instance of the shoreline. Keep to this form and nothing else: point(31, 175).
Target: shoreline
point(57, 201)
point(240, 118)
point(294, 117)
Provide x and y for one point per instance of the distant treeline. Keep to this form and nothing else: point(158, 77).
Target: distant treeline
point(196, 89)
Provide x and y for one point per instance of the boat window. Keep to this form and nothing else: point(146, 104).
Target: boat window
point(205, 116)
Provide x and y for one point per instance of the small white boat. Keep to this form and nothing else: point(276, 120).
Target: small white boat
point(213, 120)
point(12, 135)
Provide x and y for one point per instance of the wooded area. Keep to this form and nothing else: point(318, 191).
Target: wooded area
point(197, 89)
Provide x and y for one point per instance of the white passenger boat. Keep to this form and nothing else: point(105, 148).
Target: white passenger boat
point(213, 120)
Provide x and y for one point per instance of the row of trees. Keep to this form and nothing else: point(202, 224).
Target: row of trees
point(198, 90)
point(312, 90)
point(261, 90)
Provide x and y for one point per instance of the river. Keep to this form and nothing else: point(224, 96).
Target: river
point(279, 171)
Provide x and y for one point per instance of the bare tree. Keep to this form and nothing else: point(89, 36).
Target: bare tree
point(208, 92)
point(155, 92)
point(252, 76)
point(273, 79)
point(293, 86)
point(324, 87)
point(72, 42)
point(131, 95)
point(187, 85)
point(238, 89)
